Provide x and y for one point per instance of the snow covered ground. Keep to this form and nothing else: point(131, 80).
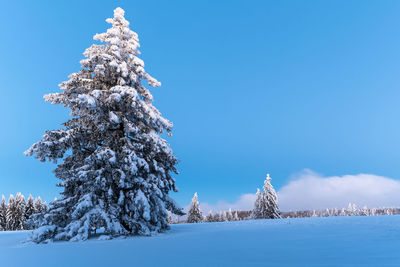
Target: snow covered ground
point(332, 241)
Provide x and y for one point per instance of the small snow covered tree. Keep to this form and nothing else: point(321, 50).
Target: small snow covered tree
point(217, 217)
point(236, 216)
point(44, 207)
point(29, 210)
point(343, 212)
point(223, 217)
point(194, 213)
point(3, 214)
point(38, 205)
point(373, 212)
point(229, 215)
point(209, 217)
point(12, 214)
point(354, 210)
point(314, 214)
point(37, 218)
point(365, 211)
point(389, 211)
point(116, 168)
point(16, 212)
point(266, 204)
point(335, 212)
point(327, 213)
point(349, 209)
point(271, 199)
point(20, 208)
point(257, 210)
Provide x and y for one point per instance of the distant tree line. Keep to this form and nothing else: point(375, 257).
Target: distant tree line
point(221, 216)
point(239, 215)
point(18, 214)
point(352, 210)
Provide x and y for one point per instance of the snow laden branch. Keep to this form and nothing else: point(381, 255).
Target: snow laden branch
point(116, 168)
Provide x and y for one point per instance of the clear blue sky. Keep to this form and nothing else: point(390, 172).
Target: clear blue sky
point(251, 86)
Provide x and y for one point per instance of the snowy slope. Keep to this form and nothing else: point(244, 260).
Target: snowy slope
point(333, 241)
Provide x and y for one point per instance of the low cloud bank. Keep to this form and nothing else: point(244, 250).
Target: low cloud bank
point(309, 190)
point(245, 202)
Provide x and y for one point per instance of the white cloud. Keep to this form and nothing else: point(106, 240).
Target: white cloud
point(245, 202)
point(309, 190)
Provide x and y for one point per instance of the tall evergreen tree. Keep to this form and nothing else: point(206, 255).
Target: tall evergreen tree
point(194, 213)
point(271, 200)
point(266, 204)
point(29, 210)
point(21, 204)
point(223, 216)
point(3, 214)
point(37, 218)
point(118, 172)
point(12, 213)
point(258, 205)
point(38, 205)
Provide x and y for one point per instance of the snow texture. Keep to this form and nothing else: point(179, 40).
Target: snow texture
point(309, 242)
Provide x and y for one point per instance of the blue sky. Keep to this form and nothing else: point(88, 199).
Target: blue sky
point(251, 87)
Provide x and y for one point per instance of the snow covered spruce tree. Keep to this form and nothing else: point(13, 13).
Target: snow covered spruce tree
point(3, 214)
point(15, 212)
point(40, 207)
point(266, 204)
point(21, 205)
point(194, 213)
point(229, 215)
point(37, 218)
point(236, 216)
point(29, 211)
point(257, 212)
point(271, 199)
point(209, 217)
point(116, 169)
point(223, 216)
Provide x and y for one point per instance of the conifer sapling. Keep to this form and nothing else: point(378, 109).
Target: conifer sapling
point(3, 214)
point(194, 213)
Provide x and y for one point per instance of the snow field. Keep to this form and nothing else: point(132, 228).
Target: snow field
point(330, 241)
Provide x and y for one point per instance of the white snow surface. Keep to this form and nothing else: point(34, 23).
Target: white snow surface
point(330, 241)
